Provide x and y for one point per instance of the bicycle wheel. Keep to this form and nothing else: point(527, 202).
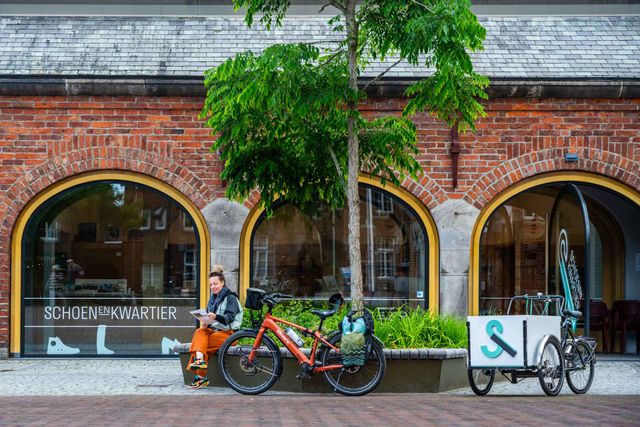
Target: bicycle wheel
point(551, 371)
point(353, 380)
point(242, 375)
point(579, 366)
point(481, 380)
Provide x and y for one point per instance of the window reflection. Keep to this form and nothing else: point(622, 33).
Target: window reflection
point(110, 268)
point(306, 253)
point(513, 249)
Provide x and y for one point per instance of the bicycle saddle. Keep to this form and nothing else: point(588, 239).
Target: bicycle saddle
point(573, 313)
point(324, 313)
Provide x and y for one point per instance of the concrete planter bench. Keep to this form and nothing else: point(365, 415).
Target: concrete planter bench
point(416, 370)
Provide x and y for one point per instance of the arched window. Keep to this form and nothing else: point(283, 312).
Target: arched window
point(109, 267)
point(533, 233)
point(306, 253)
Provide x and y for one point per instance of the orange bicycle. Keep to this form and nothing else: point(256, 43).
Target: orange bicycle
point(251, 362)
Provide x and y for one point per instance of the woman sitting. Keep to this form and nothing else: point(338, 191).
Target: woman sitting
point(224, 316)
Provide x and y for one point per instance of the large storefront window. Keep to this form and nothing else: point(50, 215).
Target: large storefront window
point(110, 268)
point(306, 253)
point(586, 228)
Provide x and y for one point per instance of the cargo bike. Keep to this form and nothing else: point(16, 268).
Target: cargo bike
point(539, 344)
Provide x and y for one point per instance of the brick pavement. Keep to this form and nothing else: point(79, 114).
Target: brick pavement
point(315, 410)
point(151, 392)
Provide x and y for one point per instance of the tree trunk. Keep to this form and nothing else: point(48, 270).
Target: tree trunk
point(353, 200)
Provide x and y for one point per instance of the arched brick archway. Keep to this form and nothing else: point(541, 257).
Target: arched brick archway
point(612, 176)
point(87, 165)
point(91, 159)
point(591, 160)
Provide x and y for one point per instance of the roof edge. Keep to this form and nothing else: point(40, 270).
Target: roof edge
point(392, 88)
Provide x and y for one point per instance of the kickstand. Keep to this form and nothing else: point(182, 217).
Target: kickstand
point(337, 381)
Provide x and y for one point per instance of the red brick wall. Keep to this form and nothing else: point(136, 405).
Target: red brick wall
point(520, 138)
point(46, 139)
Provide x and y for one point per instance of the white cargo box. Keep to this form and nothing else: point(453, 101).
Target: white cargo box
point(508, 341)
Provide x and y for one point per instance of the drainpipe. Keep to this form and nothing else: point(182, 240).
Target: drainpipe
point(455, 152)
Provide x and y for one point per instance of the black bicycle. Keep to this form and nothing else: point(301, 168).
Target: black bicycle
point(579, 355)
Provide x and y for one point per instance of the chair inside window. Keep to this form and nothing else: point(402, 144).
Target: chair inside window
point(599, 321)
point(626, 318)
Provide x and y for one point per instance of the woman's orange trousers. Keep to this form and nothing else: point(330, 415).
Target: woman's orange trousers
point(207, 341)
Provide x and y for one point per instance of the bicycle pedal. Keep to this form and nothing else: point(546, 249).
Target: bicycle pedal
point(303, 376)
point(305, 372)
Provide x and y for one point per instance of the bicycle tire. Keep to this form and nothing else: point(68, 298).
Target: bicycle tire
point(247, 377)
point(578, 374)
point(551, 370)
point(481, 380)
point(353, 380)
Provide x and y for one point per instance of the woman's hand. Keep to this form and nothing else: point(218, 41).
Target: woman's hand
point(207, 319)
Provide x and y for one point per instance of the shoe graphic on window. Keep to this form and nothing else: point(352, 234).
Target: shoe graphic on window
point(57, 347)
point(168, 344)
point(100, 340)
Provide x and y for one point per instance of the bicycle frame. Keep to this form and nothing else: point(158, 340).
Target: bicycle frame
point(271, 323)
point(568, 333)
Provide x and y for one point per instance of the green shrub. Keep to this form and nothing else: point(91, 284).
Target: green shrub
point(399, 328)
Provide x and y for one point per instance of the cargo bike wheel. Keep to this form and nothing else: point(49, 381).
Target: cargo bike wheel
point(551, 368)
point(481, 380)
point(579, 365)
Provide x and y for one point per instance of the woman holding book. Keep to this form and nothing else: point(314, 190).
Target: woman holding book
point(222, 318)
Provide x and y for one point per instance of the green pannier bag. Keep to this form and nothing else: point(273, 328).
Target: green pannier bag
point(353, 345)
point(353, 349)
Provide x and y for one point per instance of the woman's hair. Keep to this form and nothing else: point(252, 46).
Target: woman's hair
point(217, 269)
point(217, 274)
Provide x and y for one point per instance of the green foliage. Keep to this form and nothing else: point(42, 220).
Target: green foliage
point(278, 118)
point(436, 34)
point(420, 329)
point(281, 120)
point(286, 118)
point(271, 10)
point(400, 328)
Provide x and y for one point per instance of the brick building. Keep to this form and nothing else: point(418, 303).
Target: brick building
point(114, 211)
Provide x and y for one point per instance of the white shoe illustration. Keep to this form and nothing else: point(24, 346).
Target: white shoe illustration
point(56, 346)
point(168, 344)
point(100, 338)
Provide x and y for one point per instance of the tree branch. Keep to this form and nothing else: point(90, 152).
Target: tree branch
point(379, 76)
point(339, 169)
point(319, 42)
point(423, 5)
point(329, 58)
point(334, 4)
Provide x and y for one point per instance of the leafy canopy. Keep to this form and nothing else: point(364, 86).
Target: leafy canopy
point(282, 122)
point(282, 115)
point(437, 34)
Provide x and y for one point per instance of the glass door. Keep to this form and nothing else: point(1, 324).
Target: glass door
point(568, 250)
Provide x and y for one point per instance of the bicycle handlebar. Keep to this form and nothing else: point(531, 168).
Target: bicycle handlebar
point(275, 297)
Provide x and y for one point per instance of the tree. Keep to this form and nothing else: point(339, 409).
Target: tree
point(288, 122)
